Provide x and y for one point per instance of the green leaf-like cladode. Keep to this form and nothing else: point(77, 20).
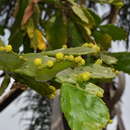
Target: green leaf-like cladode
point(123, 63)
point(115, 32)
point(41, 72)
point(83, 111)
point(16, 37)
point(108, 59)
point(72, 51)
point(97, 72)
point(40, 87)
point(78, 11)
point(9, 61)
point(56, 31)
point(75, 36)
point(94, 89)
point(102, 39)
point(97, 19)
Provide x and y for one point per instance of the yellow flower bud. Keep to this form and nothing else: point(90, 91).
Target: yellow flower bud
point(64, 46)
point(71, 58)
point(78, 59)
point(117, 72)
point(99, 61)
point(99, 94)
point(8, 48)
point(51, 96)
point(82, 62)
point(66, 57)
point(59, 56)
point(88, 45)
point(52, 88)
point(84, 76)
point(38, 61)
point(50, 63)
point(96, 47)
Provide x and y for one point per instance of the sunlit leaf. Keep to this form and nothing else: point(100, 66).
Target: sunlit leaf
point(72, 51)
point(115, 32)
point(123, 63)
point(41, 72)
point(10, 61)
point(97, 72)
point(108, 59)
point(83, 111)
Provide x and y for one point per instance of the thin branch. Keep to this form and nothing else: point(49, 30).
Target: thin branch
point(16, 90)
point(119, 92)
point(120, 125)
point(113, 14)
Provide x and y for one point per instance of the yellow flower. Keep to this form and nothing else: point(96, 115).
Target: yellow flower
point(78, 59)
point(38, 61)
point(59, 56)
point(50, 63)
point(84, 76)
point(64, 46)
point(99, 61)
point(8, 48)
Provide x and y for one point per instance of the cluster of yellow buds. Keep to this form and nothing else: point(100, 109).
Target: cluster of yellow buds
point(6, 48)
point(85, 76)
point(99, 61)
point(79, 60)
point(53, 92)
point(91, 45)
point(69, 57)
point(88, 45)
point(38, 62)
